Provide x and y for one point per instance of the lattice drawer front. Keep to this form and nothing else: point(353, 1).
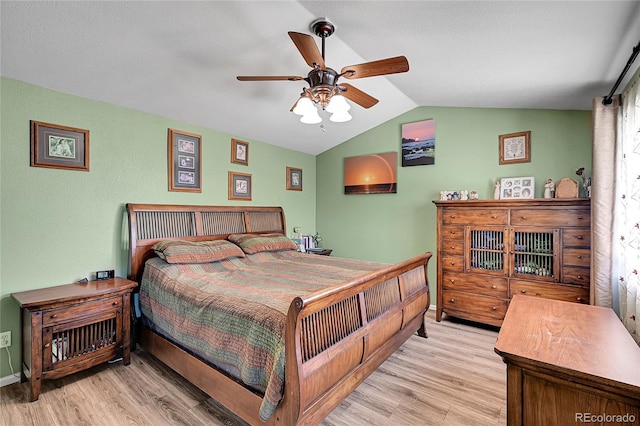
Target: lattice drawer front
point(78, 341)
point(487, 250)
point(533, 253)
point(218, 223)
point(151, 225)
point(325, 328)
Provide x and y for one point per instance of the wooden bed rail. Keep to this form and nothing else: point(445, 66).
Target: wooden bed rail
point(347, 332)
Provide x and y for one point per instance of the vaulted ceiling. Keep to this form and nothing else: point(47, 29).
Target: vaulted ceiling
point(180, 59)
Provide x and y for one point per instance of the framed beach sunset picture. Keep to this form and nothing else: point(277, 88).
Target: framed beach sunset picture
point(419, 143)
point(371, 174)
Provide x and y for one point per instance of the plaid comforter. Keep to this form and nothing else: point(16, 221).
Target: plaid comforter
point(233, 312)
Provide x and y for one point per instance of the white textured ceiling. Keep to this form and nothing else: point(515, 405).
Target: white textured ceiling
point(180, 59)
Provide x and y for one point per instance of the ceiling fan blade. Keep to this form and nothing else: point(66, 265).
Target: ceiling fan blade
point(358, 96)
point(308, 48)
point(382, 67)
point(269, 77)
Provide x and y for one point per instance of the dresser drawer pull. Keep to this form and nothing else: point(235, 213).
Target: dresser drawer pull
point(452, 263)
point(494, 286)
point(452, 300)
point(579, 256)
point(579, 277)
point(523, 217)
point(46, 345)
point(580, 237)
point(453, 247)
point(579, 217)
point(452, 232)
point(493, 308)
point(115, 303)
point(54, 316)
point(452, 280)
point(579, 299)
point(494, 216)
point(523, 291)
point(452, 216)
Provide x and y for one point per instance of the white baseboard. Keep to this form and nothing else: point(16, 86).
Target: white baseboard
point(432, 307)
point(9, 380)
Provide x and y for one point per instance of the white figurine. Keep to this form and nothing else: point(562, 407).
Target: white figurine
point(473, 195)
point(496, 191)
point(443, 196)
point(549, 188)
point(464, 195)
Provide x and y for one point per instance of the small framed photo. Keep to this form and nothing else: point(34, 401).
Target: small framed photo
point(185, 161)
point(59, 147)
point(294, 179)
point(239, 186)
point(516, 188)
point(239, 152)
point(515, 148)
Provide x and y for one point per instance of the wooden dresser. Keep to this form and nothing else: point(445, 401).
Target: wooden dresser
point(490, 250)
point(568, 364)
point(72, 327)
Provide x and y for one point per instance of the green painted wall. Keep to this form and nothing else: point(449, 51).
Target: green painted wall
point(58, 226)
point(393, 227)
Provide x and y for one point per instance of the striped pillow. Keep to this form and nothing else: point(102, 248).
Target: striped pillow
point(255, 243)
point(176, 251)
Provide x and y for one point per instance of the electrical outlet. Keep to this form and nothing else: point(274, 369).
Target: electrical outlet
point(5, 339)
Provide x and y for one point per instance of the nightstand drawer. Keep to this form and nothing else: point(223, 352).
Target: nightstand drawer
point(61, 315)
point(458, 216)
point(473, 283)
point(550, 217)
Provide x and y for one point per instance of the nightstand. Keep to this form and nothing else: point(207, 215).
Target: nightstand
point(72, 327)
point(320, 251)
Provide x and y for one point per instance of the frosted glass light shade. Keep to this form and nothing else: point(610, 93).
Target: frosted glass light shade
point(311, 117)
point(338, 104)
point(304, 106)
point(340, 117)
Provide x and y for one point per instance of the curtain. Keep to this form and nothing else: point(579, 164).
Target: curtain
point(627, 210)
point(615, 261)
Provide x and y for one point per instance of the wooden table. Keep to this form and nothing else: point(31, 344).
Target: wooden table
point(568, 363)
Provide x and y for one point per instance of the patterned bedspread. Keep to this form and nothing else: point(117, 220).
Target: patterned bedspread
point(233, 312)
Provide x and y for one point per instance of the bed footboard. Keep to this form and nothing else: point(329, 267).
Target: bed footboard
point(338, 337)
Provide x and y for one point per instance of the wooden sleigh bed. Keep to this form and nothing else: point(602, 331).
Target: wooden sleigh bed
point(327, 353)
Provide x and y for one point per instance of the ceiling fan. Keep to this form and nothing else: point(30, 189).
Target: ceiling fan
point(324, 89)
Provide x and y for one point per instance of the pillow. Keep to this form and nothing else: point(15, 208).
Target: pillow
point(175, 251)
point(255, 243)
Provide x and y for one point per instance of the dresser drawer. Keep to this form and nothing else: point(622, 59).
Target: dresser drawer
point(481, 306)
point(576, 275)
point(576, 257)
point(453, 263)
point(462, 216)
point(550, 291)
point(576, 238)
point(474, 283)
point(452, 247)
point(550, 217)
point(61, 315)
point(453, 232)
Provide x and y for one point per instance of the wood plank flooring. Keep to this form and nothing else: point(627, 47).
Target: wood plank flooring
point(452, 378)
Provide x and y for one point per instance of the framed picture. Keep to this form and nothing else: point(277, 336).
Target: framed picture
point(239, 186)
point(185, 161)
point(419, 143)
point(371, 174)
point(59, 147)
point(294, 179)
point(515, 148)
point(518, 187)
point(239, 152)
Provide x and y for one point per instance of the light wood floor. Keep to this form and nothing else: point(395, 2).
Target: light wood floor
point(452, 378)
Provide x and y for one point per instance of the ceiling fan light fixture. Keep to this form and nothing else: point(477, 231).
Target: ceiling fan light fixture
point(340, 117)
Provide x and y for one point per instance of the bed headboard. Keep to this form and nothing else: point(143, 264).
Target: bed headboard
point(150, 223)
